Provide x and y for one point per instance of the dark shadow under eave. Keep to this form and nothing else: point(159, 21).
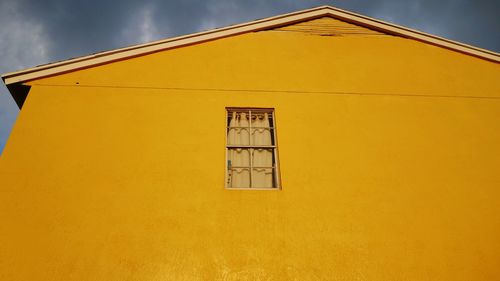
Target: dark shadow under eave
point(19, 92)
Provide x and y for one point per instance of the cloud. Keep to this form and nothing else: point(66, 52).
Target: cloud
point(147, 26)
point(23, 42)
point(141, 28)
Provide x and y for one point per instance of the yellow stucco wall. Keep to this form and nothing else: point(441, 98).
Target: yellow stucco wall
point(389, 153)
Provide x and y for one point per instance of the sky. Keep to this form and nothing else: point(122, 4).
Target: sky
point(34, 32)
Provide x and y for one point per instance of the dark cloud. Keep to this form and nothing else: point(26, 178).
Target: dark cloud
point(35, 32)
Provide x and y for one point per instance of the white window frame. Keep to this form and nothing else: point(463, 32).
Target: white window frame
point(274, 147)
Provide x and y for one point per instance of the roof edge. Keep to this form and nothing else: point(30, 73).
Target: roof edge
point(266, 23)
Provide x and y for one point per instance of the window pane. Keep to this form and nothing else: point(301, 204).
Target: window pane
point(239, 177)
point(262, 177)
point(238, 132)
point(261, 129)
point(239, 157)
point(262, 157)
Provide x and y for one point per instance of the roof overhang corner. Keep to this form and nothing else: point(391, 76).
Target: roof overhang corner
point(19, 92)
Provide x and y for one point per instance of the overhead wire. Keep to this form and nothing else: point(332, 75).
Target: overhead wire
point(273, 91)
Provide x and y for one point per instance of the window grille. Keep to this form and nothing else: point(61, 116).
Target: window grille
point(251, 149)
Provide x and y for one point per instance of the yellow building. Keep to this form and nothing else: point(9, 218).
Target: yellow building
point(381, 158)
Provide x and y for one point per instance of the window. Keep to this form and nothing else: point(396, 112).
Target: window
point(252, 158)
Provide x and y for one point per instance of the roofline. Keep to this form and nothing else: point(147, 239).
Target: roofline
point(267, 23)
